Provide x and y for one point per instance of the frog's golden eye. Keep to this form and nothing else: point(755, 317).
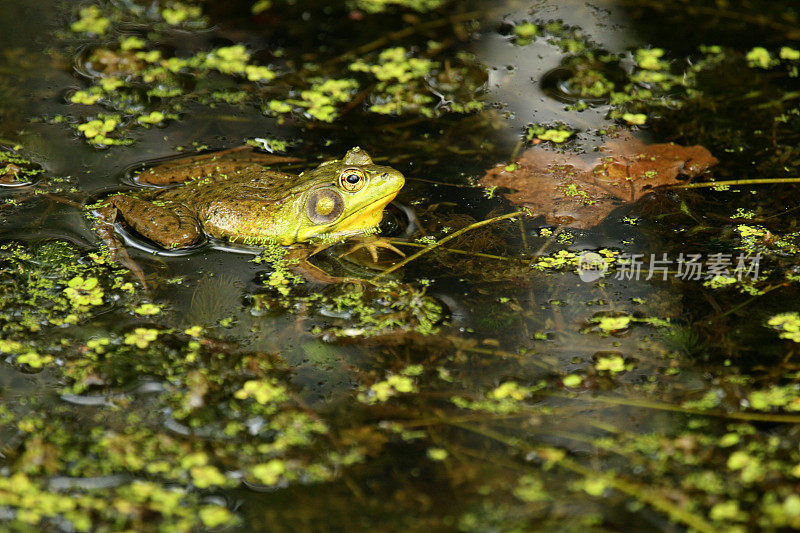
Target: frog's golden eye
point(324, 206)
point(352, 179)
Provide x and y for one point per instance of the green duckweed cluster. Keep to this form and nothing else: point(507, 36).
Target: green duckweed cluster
point(760, 57)
point(567, 260)
point(401, 78)
point(377, 6)
point(368, 6)
point(556, 134)
point(788, 324)
point(124, 468)
point(360, 310)
point(135, 84)
point(132, 506)
point(320, 101)
point(393, 385)
point(120, 71)
point(55, 284)
point(590, 76)
point(94, 20)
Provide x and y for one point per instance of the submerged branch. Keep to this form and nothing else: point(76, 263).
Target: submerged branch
point(466, 252)
point(664, 406)
point(732, 183)
point(417, 28)
point(450, 237)
point(639, 492)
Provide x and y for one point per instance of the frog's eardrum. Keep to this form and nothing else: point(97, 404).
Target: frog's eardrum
point(324, 206)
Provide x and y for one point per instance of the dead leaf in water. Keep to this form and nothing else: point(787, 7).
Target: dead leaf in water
point(579, 192)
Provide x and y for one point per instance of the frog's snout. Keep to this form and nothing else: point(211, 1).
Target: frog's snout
point(392, 179)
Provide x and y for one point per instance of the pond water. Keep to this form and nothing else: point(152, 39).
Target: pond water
point(494, 382)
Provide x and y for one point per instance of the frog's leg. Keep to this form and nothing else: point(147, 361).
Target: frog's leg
point(175, 227)
point(300, 265)
point(104, 225)
point(371, 244)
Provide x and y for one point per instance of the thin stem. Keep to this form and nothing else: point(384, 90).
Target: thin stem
point(730, 183)
point(449, 238)
point(638, 492)
point(663, 406)
point(411, 30)
point(499, 353)
point(522, 234)
point(752, 299)
point(465, 252)
point(464, 185)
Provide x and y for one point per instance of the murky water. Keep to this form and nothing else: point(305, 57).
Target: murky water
point(482, 387)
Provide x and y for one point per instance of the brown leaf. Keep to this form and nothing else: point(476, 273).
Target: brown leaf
point(577, 191)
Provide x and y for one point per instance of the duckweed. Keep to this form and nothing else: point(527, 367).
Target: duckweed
point(525, 33)
point(543, 133)
point(788, 324)
point(141, 337)
point(82, 291)
point(401, 79)
point(637, 119)
point(760, 57)
point(179, 12)
point(262, 391)
point(148, 309)
point(650, 59)
point(91, 21)
point(269, 473)
point(377, 6)
point(383, 390)
point(58, 288)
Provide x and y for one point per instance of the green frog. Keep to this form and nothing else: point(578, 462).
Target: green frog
point(231, 195)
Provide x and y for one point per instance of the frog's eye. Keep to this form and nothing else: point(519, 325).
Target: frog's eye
point(352, 179)
point(324, 206)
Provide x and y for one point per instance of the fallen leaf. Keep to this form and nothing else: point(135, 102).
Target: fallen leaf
point(577, 191)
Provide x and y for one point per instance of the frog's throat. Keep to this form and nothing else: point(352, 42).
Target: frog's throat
point(372, 213)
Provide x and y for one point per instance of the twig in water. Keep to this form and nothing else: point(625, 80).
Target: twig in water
point(524, 260)
point(733, 183)
point(450, 237)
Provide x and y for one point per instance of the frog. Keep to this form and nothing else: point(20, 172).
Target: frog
point(233, 196)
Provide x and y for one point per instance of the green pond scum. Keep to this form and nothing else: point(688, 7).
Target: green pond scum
point(496, 378)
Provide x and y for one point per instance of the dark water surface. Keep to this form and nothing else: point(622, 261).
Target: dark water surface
point(487, 389)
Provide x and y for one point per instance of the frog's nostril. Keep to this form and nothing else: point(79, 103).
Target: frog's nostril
point(384, 175)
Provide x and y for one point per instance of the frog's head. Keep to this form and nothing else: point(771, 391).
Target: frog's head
point(346, 196)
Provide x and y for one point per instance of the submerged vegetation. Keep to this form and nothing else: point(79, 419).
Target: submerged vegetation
point(481, 383)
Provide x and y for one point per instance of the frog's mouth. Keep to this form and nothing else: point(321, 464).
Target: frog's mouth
point(367, 216)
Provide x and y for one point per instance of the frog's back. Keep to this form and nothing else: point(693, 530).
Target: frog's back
point(259, 179)
point(262, 185)
point(249, 205)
